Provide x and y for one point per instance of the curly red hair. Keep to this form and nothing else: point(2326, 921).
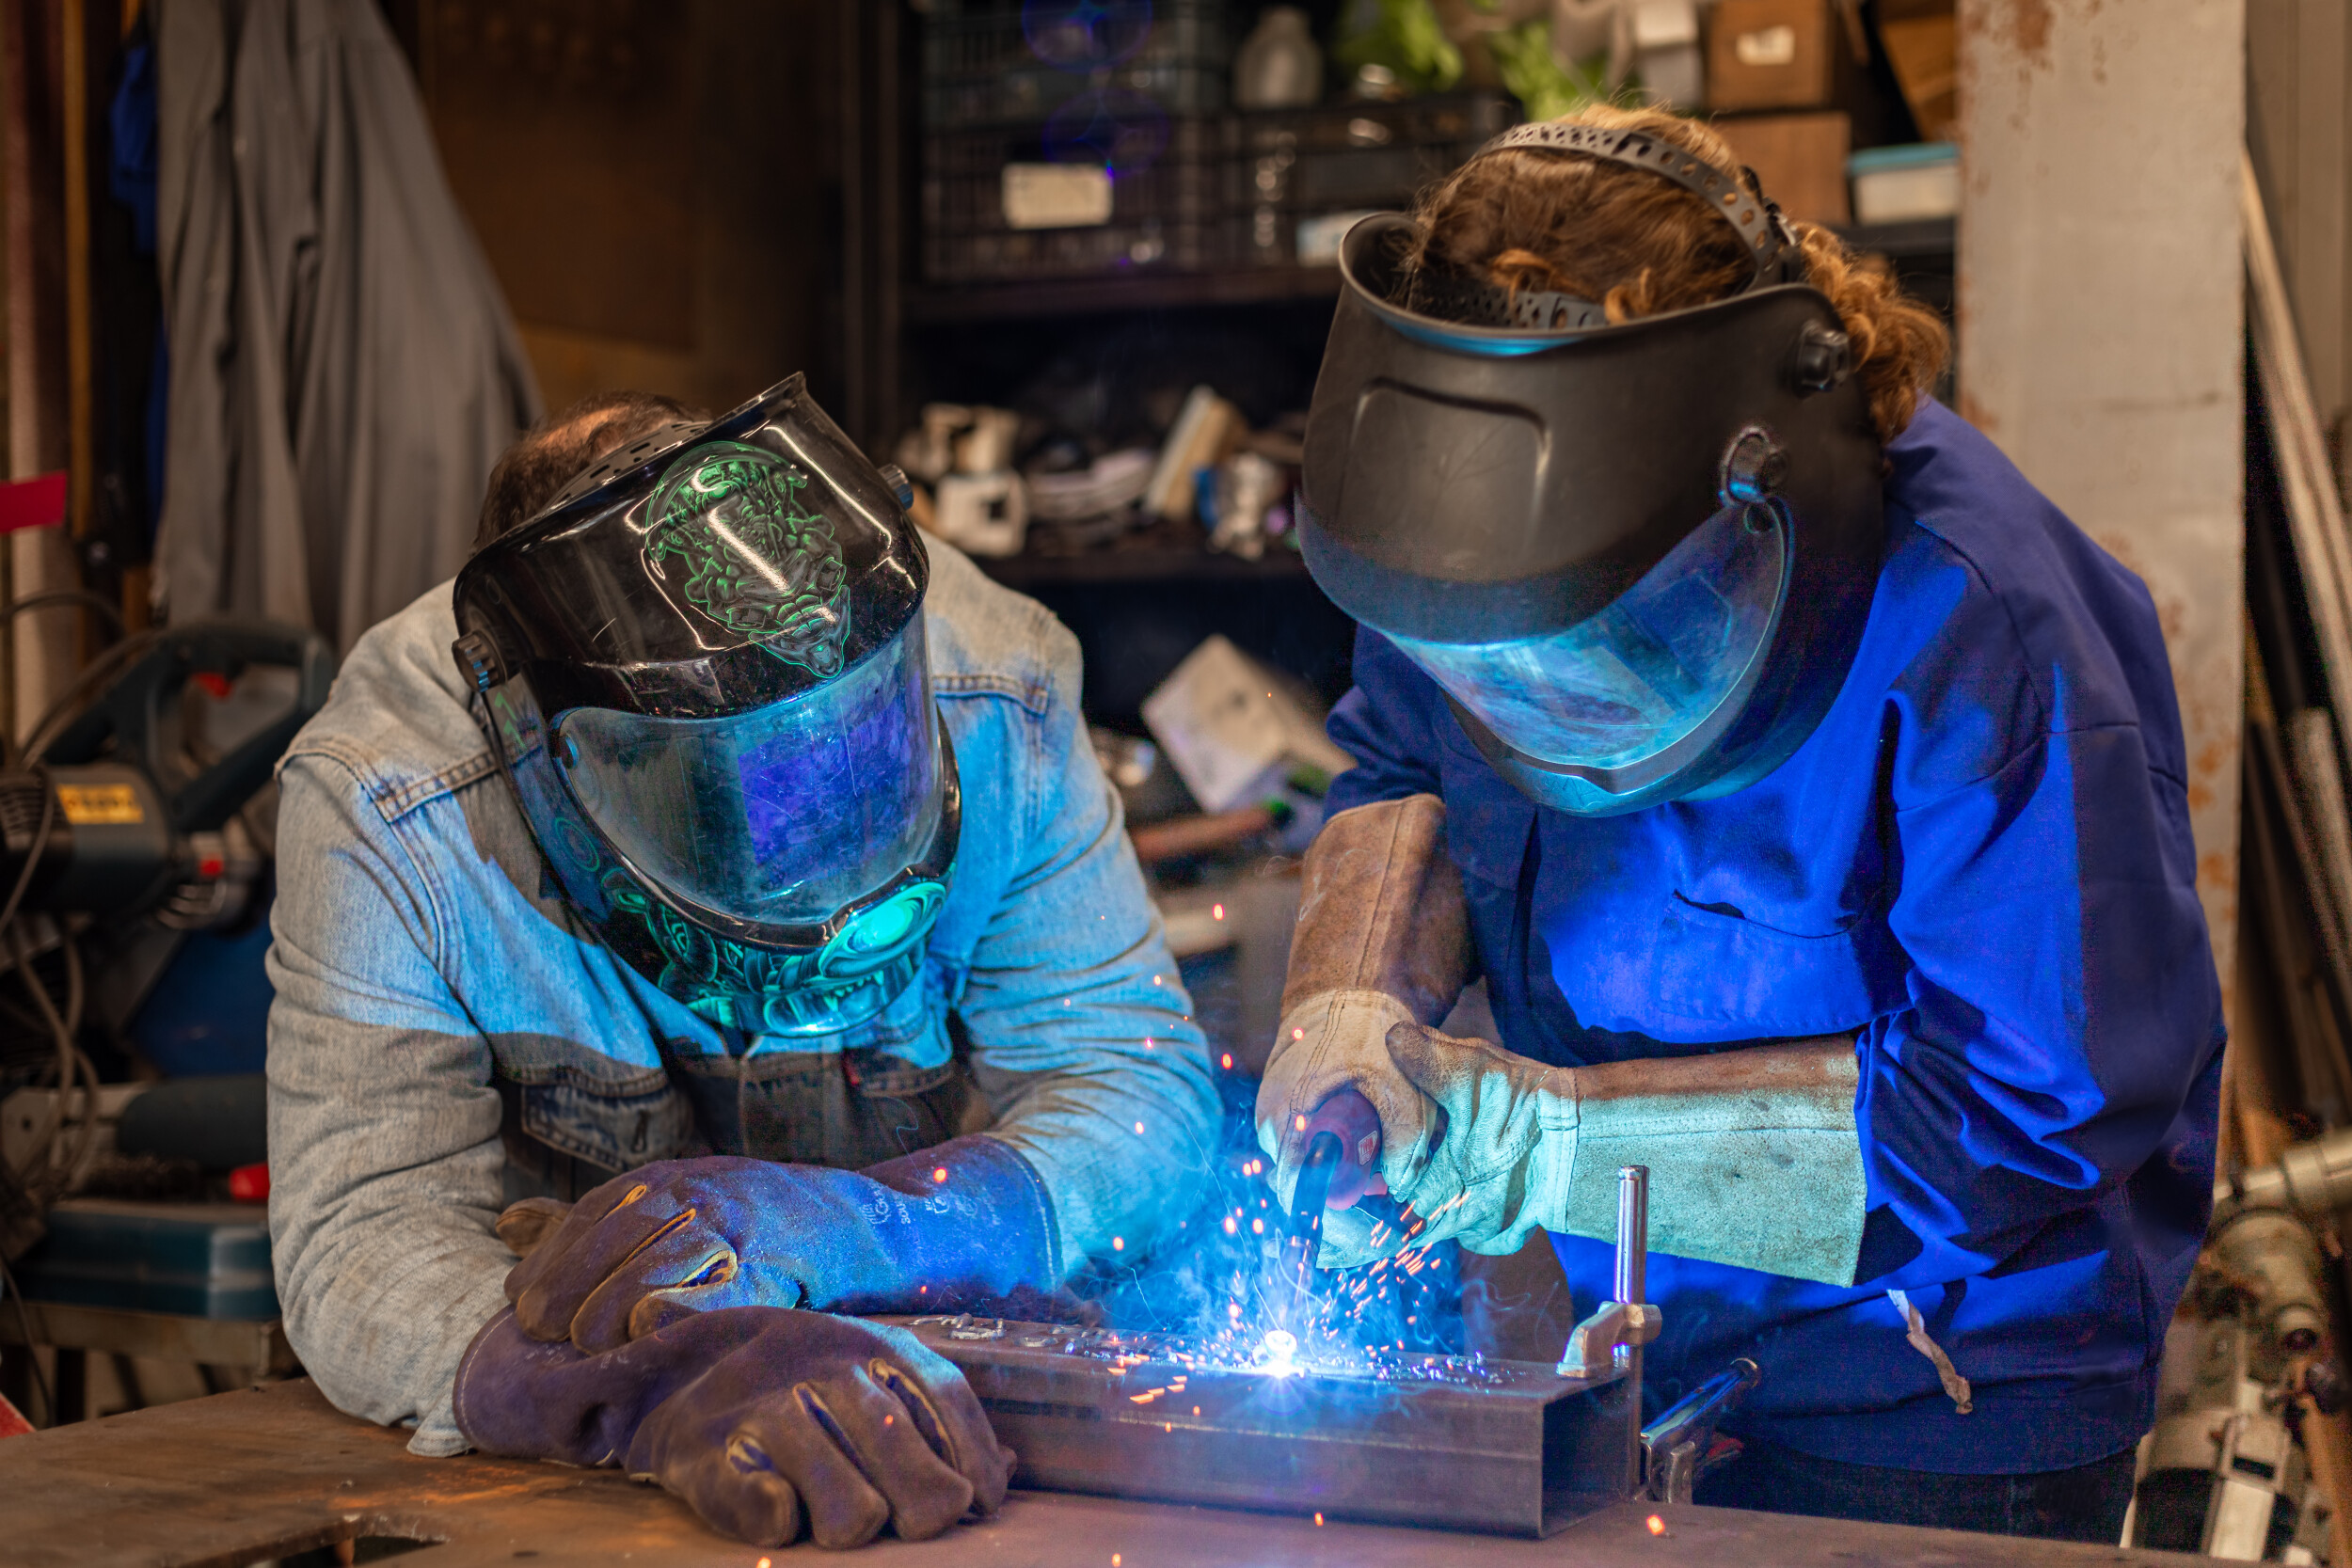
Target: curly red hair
point(1641, 245)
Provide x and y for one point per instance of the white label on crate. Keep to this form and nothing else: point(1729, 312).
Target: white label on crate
point(1056, 196)
point(1767, 46)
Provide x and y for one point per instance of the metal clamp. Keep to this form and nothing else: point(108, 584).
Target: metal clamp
point(1681, 1445)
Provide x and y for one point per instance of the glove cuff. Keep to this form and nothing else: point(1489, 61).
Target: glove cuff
point(970, 1223)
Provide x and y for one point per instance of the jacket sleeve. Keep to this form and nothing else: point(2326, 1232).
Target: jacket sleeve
point(2063, 1009)
point(384, 1159)
point(1387, 722)
point(1082, 1036)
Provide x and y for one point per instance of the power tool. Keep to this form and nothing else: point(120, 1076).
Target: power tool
point(125, 812)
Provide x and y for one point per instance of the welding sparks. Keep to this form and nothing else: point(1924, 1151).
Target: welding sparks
point(939, 1173)
point(1657, 1526)
point(1282, 1352)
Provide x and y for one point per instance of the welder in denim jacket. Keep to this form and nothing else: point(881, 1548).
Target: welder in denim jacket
point(713, 895)
point(1810, 796)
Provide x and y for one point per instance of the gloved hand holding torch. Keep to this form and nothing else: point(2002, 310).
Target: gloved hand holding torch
point(1754, 1151)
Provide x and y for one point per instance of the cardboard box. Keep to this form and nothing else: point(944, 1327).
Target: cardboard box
point(1773, 54)
point(1922, 42)
point(1800, 159)
point(1233, 729)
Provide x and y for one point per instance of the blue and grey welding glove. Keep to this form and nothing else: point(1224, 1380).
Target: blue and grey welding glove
point(1754, 1154)
point(761, 1417)
point(944, 1230)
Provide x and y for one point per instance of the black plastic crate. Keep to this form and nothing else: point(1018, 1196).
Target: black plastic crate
point(1033, 92)
point(1010, 255)
point(1310, 164)
point(1170, 214)
point(983, 67)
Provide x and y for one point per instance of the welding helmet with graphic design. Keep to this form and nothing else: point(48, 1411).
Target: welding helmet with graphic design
point(702, 668)
point(1636, 558)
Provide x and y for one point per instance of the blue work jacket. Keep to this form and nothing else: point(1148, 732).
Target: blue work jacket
point(1981, 862)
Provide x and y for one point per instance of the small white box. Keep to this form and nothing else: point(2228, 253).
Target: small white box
point(1232, 729)
point(1901, 184)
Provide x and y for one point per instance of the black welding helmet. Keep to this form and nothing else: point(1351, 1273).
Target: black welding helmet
point(702, 670)
point(1636, 558)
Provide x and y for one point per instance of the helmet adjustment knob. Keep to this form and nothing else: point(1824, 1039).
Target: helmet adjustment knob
point(479, 659)
point(1824, 357)
point(1754, 467)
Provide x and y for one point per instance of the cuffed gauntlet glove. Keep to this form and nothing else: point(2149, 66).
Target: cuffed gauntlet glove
point(948, 1229)
point(1383, 938)
point(1754, 1155)
point(761, 1418)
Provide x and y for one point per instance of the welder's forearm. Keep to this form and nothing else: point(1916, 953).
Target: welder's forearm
point(1754, 1155)
point(384, 1160)
point(1380, 910)
point(1124, 1146)
point(382, 1200)
point(382, 1312)
point(381, 1229)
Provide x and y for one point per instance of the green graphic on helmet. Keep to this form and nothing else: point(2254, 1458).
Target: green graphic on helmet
point(730, 533)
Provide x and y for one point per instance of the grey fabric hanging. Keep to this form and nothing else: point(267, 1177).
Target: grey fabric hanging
point(343, 370)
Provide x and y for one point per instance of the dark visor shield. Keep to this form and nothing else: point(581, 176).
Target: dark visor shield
point(779, 816)
point(1649, 670)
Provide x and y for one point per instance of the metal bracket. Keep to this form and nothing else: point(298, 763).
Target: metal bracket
point(1611, 1338)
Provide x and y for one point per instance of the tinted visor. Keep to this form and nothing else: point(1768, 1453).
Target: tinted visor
point(784, 815)
point(1646, 670)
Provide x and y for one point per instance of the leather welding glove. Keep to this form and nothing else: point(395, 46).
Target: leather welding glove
point(942, 1230)
point(762, 1418)
point(1754, 1155)
point(1382, 938)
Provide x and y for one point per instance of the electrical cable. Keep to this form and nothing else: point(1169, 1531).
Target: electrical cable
point(77, 689)
point(70, 1058)
point(56, 598)
point(32, 1358)
point(33, 1174)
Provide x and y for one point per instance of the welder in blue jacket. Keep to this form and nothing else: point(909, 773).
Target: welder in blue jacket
point(1809, 794)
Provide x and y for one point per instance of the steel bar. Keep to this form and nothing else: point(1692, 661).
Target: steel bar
point(1505, 1447)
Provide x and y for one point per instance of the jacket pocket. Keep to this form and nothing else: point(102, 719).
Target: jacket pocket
point(614, 1128)
point(1714, 966)
point(854, 1110)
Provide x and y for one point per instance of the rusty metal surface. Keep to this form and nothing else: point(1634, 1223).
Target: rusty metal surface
point(241, 1476)
point(1501, 1446)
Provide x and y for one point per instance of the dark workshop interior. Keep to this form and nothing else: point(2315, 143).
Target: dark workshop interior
point(1175, 782)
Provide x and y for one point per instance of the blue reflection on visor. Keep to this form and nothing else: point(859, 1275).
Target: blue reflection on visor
point(1643, 672)
point(782, 815)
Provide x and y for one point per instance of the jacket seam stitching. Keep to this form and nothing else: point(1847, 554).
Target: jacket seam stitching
point(1031, 695)
point(428, 888)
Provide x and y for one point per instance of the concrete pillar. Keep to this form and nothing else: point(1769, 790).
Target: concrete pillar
point(2099, 320)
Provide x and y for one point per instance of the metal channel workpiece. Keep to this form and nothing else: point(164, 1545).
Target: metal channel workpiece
point(1506, 1447)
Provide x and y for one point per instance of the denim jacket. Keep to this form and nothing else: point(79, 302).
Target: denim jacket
point(447, 1037)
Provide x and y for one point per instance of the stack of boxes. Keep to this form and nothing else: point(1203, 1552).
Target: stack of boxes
point(1780, 74)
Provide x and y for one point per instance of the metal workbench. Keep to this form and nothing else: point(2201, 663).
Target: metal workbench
point(247, 1476)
